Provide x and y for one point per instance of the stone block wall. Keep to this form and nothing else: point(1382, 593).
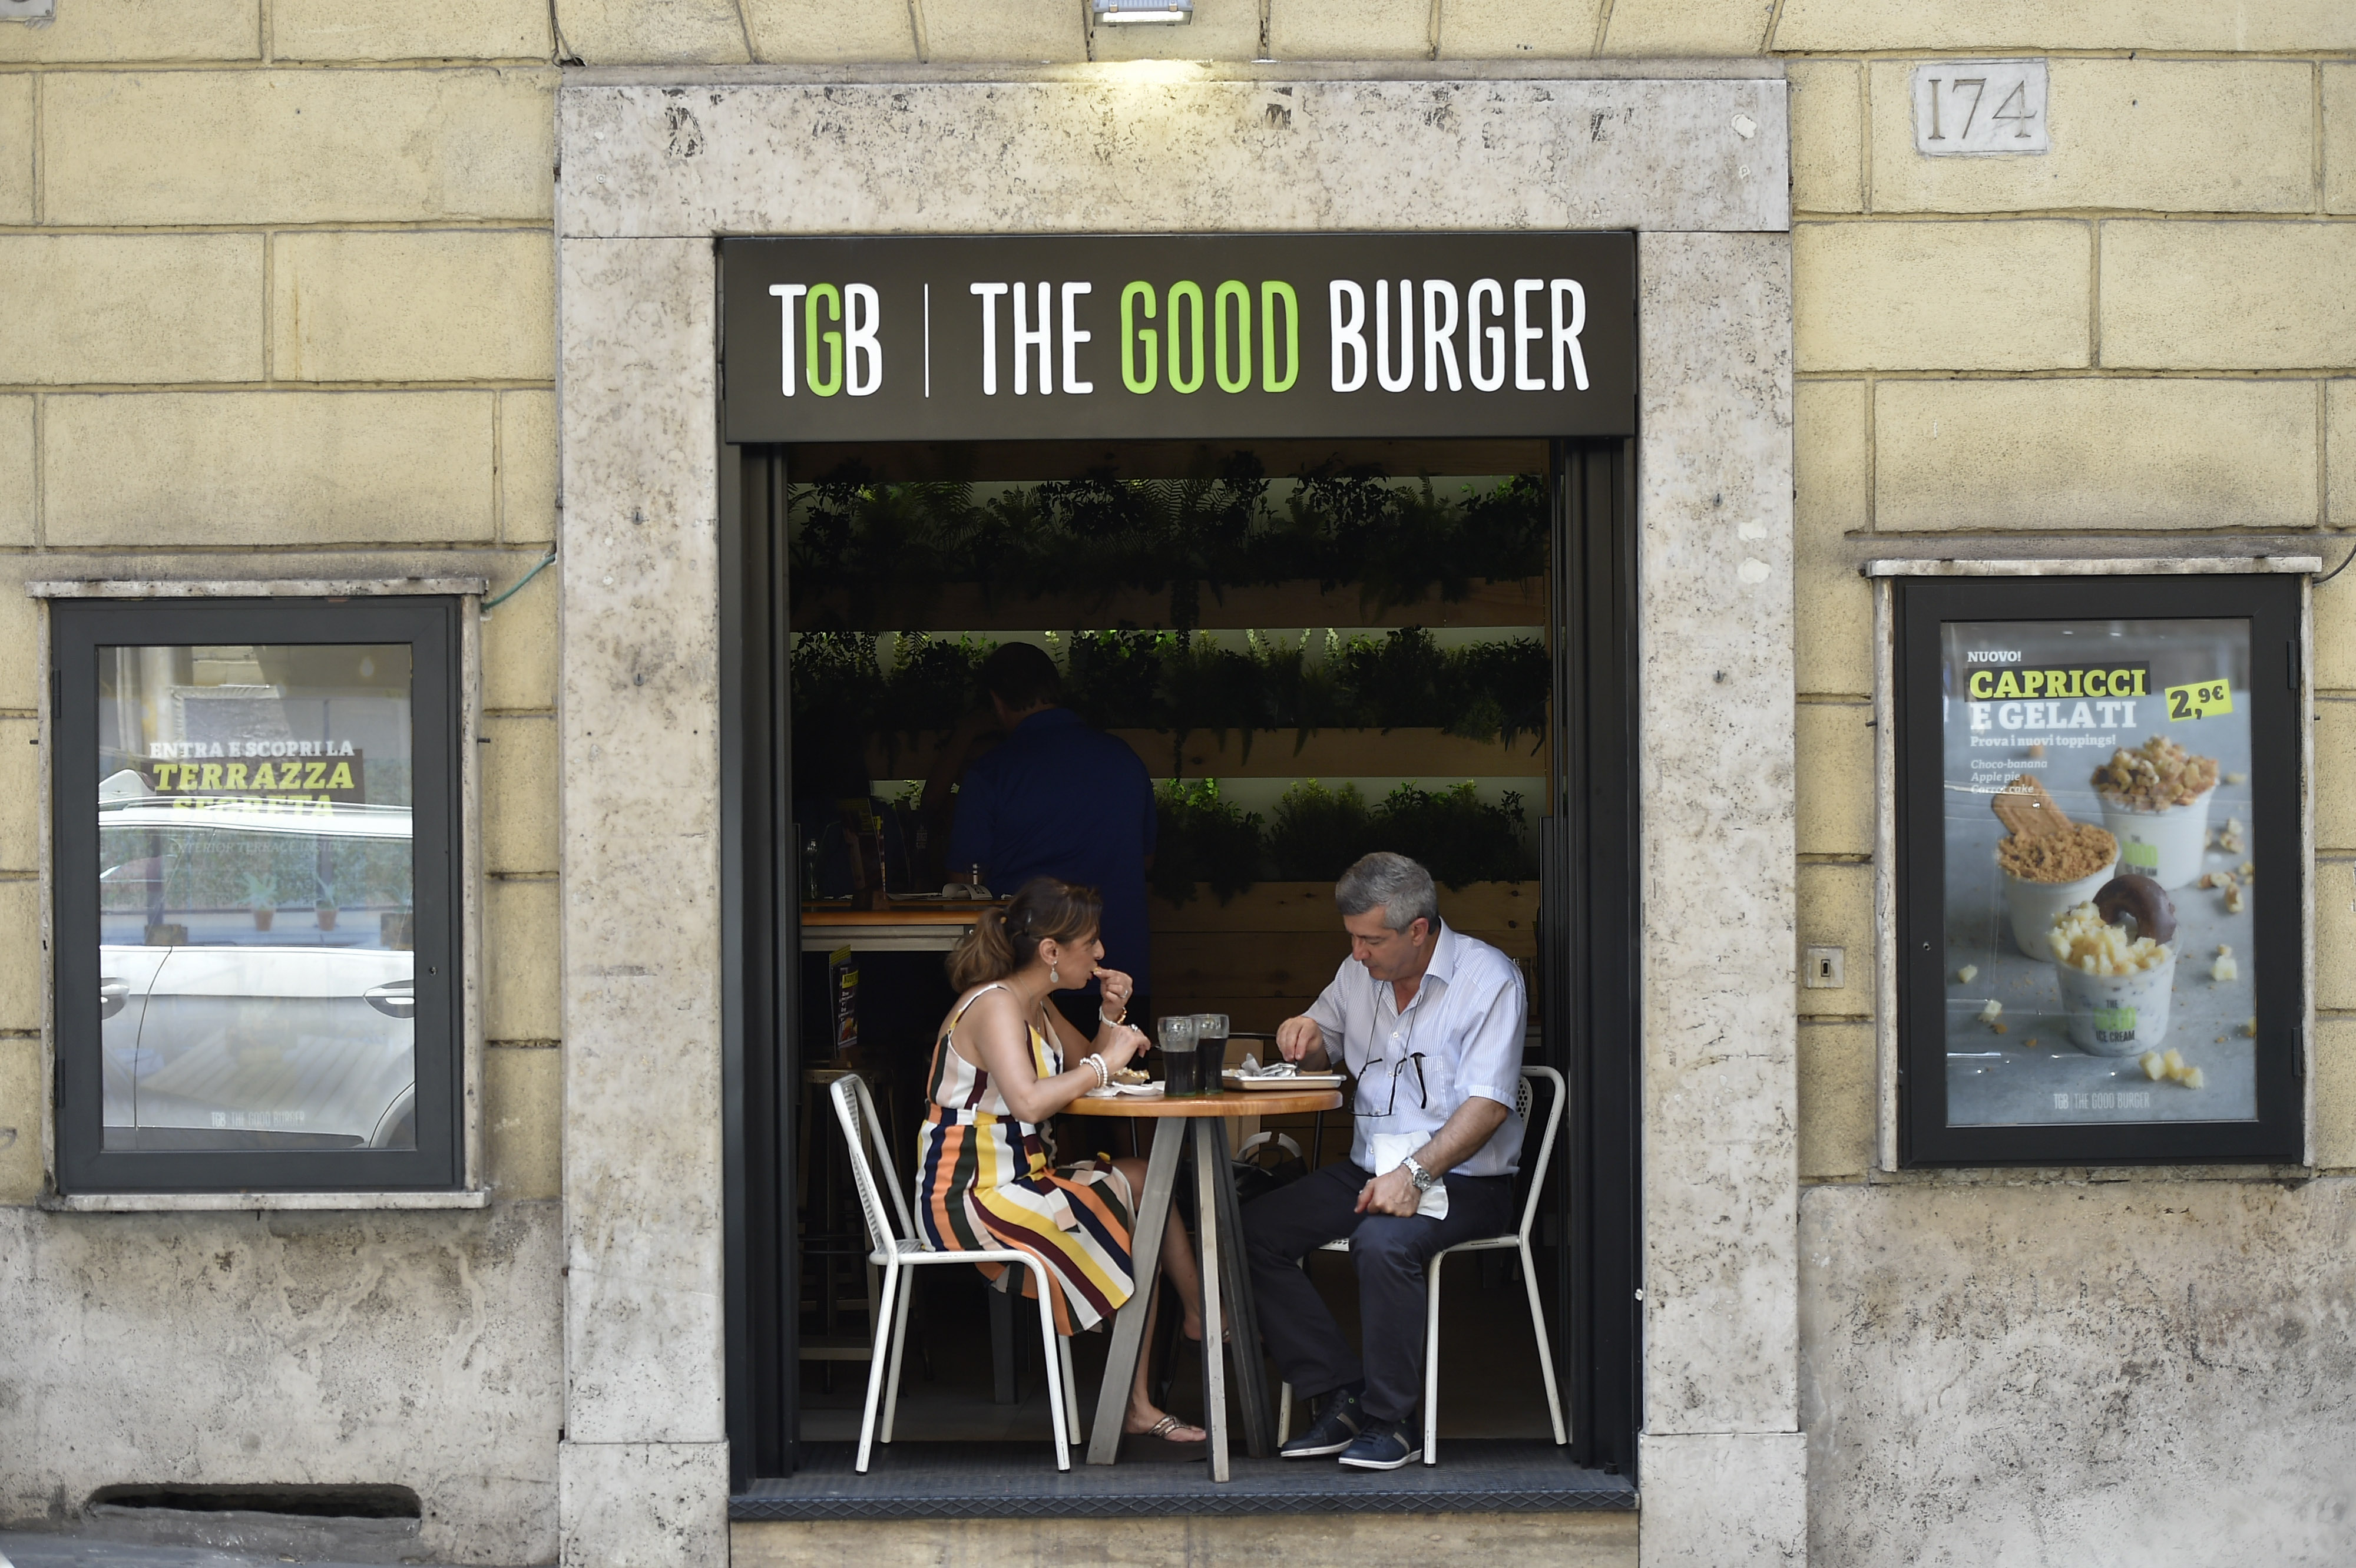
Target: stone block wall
point(283, 286)
point(280, 304)
point(2140, 334)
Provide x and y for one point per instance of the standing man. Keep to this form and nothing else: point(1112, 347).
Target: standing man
point(1430, 1022)
point(1055, 798)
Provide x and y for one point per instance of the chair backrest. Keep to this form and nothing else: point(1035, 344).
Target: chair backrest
point(860, 1132)
point(1537, 1171)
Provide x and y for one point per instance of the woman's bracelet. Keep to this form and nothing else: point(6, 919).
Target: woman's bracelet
point(1105, 1017)
point(1104, 1073)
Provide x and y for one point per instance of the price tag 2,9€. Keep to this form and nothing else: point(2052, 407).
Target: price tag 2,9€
point(2199, 700)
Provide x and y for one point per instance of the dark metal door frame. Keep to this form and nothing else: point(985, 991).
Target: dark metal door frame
point(760, 915)
point(1590, 865)
point(1589, 847)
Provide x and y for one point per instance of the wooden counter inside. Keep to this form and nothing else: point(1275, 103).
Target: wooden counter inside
point(918, 926)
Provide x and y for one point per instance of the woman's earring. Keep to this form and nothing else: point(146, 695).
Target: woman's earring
point(1054, 975)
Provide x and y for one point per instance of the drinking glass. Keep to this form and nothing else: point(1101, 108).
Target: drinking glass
point(1181, 1057)
point(1211, 1029)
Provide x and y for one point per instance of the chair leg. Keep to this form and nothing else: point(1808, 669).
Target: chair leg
point(899, 1350)
point(1283, 1414)
point(875, 1366)
point(1071, 1389)
point(1545, 1357)
point(1049, 1363)
point(1431, 1360)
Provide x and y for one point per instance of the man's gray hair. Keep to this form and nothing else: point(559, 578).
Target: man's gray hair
point(1398, 885)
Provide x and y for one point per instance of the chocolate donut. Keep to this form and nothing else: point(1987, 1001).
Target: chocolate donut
point(2148, 902)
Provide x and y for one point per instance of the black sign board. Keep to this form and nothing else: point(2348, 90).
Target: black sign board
point(2100, 916)
point(1201, 336)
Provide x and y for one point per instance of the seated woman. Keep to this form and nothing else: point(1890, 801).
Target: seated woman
point(986, 1174)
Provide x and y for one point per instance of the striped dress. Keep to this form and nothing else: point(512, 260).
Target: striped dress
point(984, 1179)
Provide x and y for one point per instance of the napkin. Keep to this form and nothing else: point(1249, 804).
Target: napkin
point(1391, 1150)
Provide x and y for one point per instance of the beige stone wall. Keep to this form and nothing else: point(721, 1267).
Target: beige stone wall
point(282, 287)
point(282, 282)
point(2145, 333)
point(2142, 333)
point(281, 302)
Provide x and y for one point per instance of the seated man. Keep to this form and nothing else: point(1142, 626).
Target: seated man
point(1430, 1022)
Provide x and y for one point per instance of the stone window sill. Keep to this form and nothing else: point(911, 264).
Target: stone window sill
point(2066, 566)
point(216, 1202)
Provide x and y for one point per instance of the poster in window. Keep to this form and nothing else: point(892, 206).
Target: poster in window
point(2111, 825)
point(2100, 872)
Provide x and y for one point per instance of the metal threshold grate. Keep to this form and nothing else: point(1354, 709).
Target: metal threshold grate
point(1015, 1480)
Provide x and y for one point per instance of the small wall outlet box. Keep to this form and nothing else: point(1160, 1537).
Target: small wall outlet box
point(1820, 968)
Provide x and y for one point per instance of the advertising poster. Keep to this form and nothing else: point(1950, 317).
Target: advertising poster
point(2101, 872)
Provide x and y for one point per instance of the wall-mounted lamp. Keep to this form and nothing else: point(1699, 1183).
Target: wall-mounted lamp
point(1125, 13)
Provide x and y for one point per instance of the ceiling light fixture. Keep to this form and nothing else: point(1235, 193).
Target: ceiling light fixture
point(1129, 13)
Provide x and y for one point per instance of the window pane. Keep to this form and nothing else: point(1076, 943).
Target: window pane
point(256, 896)
point(2080, 753)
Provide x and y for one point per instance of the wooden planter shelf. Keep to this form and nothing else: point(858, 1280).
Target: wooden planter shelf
point(1264, 955)
point(1274, 607)
point(1426, 754)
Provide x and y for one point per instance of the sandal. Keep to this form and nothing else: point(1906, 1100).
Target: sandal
point(1159, 1433)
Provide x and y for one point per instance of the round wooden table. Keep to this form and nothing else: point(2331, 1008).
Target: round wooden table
point(1218, 1219)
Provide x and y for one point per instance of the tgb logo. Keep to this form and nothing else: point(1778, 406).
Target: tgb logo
point(840, 352)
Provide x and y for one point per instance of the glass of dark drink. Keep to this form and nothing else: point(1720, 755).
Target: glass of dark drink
point(1181, 1056)
point(1211, 1031)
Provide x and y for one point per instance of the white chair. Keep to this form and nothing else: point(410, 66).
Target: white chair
point(898, 1250)
point(1519, 1241)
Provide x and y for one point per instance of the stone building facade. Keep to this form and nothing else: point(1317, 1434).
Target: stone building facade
point(332, 290)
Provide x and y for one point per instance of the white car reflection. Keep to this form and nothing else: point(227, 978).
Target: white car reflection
point(210, 1044)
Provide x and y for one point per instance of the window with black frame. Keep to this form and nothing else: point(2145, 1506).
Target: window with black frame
point(256, 806)
point(2100, 843)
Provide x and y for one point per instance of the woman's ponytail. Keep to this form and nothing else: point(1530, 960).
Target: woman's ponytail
point(982, 954)
point(1003, 940)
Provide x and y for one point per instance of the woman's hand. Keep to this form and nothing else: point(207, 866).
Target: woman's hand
point(1118, 989)
point(1120, 1045)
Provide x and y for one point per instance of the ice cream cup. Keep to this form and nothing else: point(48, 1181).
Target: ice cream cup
point(2034, 906)
point(2165, 845)
point(2118, 1015)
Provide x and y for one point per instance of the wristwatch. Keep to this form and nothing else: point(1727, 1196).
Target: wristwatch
point(1424, 1180)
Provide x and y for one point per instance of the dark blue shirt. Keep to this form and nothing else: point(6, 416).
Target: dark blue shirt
point(1058, 798)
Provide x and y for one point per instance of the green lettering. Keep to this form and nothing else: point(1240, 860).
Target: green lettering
point(1131, 336)
point(812, 340)
point(1270, 293)
point(1241, 380)
point(1187, 291)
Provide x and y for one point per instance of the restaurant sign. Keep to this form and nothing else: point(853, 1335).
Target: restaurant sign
point(1152, 337)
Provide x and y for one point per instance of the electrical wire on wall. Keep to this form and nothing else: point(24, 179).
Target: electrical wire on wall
point(2336, 570)
point(516, 586)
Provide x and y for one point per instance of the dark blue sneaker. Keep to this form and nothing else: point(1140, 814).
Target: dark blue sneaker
point(1382, 1445)
point(1337, 1426)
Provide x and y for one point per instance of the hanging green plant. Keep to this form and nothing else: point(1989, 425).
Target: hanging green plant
point(1179, 682)
point(869, 544)
point(1317, 832)
point(1203, 839)
point(1457, 836)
